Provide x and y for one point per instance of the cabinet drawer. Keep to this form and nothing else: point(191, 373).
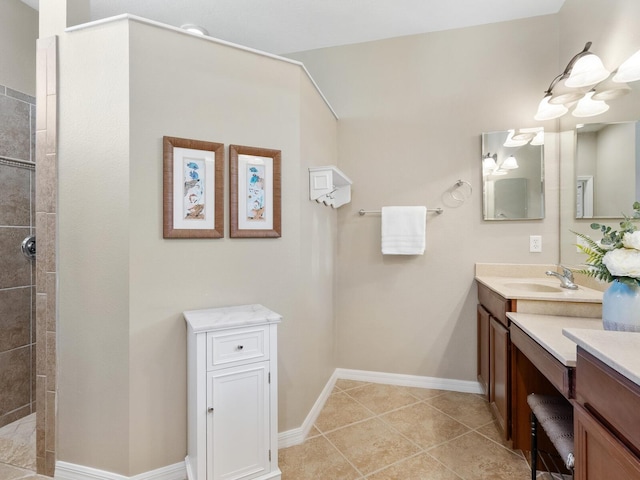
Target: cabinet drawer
point(612, 398)
point(496, 305)
point(230, 346)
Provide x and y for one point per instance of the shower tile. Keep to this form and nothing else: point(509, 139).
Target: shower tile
point(20, 96)
point(15, 383)
point(16, 268)
point(15, 318)
point(41, 344)
point(15, 202)
point(15, 138)
point(46, 180)
point(51, 361)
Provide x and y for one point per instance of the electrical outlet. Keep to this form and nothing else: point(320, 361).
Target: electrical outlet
point(535, 243)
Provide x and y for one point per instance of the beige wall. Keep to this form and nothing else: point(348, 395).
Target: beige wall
point(412, 111)
point(123, 287)
point(612, 26)
point(18, 34)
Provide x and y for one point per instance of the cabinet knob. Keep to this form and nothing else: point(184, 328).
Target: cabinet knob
point(240, 347)
point(210, 409)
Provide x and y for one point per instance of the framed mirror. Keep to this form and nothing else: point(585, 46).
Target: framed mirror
point(607, 169)
point(513, 174)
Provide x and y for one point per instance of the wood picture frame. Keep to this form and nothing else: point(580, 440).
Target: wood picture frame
point(255, 192)
point(193, 188)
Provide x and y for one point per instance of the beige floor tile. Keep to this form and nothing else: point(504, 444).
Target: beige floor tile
point(492, 430)
point(472, 410)
point(340, 410)
point(313, 460)
point(371, 445)
point(343, 384)
point(314, 432)
point(424, 393)
point(474, 457)
point(420, 467)
point(424, 425)
point(381, 398)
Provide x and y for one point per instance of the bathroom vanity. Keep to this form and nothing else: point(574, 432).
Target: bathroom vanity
point(517, 288)
point(232, 393)
point(606, 413)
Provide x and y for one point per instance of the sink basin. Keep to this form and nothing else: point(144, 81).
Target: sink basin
point(534, 287)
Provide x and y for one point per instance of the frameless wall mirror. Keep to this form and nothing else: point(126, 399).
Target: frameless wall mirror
point(607, 169)
point(513, 174)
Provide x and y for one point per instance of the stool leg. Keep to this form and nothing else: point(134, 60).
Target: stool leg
point(534, 446)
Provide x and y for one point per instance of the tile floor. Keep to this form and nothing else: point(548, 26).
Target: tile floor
point(18, 450)
point(384, 432)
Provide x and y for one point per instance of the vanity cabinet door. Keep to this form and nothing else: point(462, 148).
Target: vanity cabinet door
point(483, 350)
point(599, 455)
point(499, 372)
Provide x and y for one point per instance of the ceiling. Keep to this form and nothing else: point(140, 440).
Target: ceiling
point(286, 26)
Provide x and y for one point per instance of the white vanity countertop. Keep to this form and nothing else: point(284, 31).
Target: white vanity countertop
point(619, 350)
point(230, 317)
point(538, 288)
point(547, 331)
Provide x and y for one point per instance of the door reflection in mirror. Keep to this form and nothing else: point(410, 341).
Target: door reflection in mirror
point(607, 169)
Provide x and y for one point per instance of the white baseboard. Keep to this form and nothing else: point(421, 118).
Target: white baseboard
point(70, 471)
point(178, 471)
point(297, 435)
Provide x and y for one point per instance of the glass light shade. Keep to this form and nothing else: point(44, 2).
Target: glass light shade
point(629, 71)
point(588, 70)
point(510, 163)
point(608, 90)
point(197, 29)
point(538, 139)
point(523, 134)
point(587, 107)
point(512, 142)
point(547, 111)
point(489, 163)
point(562, 94)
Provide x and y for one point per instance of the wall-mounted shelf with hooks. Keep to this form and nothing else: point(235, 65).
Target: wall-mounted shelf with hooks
point(329, 185)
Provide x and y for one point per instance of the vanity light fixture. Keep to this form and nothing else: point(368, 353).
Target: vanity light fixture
point(539, 138)
point(588, 107)
point(585, 83)
point(489, 164)
point(629, 71)
point(510, 163)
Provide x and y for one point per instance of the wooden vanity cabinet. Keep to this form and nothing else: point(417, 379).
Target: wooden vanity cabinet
point(494, 348)
point(606, 422)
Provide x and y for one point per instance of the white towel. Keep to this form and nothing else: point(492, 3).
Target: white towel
point(403, 230)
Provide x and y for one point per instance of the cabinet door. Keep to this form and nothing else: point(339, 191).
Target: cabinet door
point(238, 427)
point(499, 372)
point(483, 350)
point(599, 455)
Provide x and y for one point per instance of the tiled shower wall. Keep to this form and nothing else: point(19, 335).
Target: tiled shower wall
point(17, 273)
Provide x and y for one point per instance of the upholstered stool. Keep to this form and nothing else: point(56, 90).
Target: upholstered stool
point(555, 416)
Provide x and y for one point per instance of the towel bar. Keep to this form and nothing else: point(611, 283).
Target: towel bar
point(364, 212)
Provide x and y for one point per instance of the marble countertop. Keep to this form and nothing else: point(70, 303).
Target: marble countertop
point(619, 350)
point(547, 331)
point(538, 288)
point(230, 317)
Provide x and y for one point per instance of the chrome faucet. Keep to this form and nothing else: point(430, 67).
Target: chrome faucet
point(566, 278)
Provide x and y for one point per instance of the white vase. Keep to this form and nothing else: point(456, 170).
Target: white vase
point(621, 307)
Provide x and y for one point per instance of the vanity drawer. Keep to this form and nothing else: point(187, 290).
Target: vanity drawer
point(497, 305)
point(230, 346)
point(610, 397)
